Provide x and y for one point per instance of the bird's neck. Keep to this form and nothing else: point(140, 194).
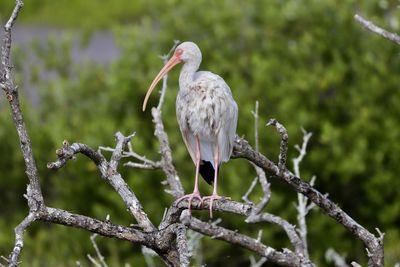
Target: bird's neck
point(188, 71)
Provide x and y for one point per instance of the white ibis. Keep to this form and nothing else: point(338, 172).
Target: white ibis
point(207, 117)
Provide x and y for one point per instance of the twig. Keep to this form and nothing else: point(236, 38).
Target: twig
point(256, 117)
point(260, 173)
point(6, 48)
point(284, 143)
point(117, 154)
point(302, 202)
point(19, 239)
point(302, 152)
point(266, 188)
point(147, 164)
point(144, 166)
point(332, 256)
point(93, 261)
point(376, 29)
point(96, 248)
point(253, 184)
point(289, 229)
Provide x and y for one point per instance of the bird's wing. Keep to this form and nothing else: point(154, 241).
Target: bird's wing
point(190, 142)
point(208, 111)
point(225, 113)
point(187, 135)
point(226, 135)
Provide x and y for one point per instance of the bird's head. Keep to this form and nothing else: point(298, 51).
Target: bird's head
point(184, 52)
point(187, 51)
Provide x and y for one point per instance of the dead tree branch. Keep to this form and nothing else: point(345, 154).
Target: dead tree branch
point(284, 258)
point(284, 143)
point(302, 202)
point(35, 198)
point(242, 149)
point(369, 25)
point(109, 173)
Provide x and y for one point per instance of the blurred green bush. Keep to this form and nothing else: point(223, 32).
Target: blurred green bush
point(308, 63)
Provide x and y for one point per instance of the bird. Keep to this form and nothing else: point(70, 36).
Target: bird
point(207, 116)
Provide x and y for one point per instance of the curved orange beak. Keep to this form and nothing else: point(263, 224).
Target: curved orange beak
point(174, 60)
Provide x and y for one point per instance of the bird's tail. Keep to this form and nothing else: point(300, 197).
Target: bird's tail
point(207, 171)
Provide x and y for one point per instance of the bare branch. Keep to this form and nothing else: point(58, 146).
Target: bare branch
point(19, 239)
point(182, 245)
point(265, 185)
point(166, 155)
point(289, 229)
point(117, 154)
point(96, 248)
point(256, 117)
point(246, 195)
point(93, 261)
point(144, 166)
point(34, 194)
point(242, 149)
point(104, 228)
point(332, 256)
point(284, 143)
point(109, 173)
point(146, 163)
point(255, 215)
point(260, 173)
point(376, 29)
point(302, 202)
point(302, 152)
point(6, 79)
point(284, 258)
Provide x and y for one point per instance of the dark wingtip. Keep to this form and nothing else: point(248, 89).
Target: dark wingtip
point(207, 171)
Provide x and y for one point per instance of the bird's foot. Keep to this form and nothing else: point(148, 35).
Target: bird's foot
point(212, 198)
point(190, 197)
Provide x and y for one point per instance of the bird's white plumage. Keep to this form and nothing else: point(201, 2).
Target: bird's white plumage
point(207, 116)
point(205, 108)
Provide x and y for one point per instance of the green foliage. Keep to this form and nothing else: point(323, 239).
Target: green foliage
point(309, 65)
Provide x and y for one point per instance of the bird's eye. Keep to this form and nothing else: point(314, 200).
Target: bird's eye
point(179, 51)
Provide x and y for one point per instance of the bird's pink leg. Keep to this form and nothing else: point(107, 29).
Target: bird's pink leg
point(196, 192)
point(214, 195)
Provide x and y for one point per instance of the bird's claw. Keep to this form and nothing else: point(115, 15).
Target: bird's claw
point(190, 197)
point(212, 198)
